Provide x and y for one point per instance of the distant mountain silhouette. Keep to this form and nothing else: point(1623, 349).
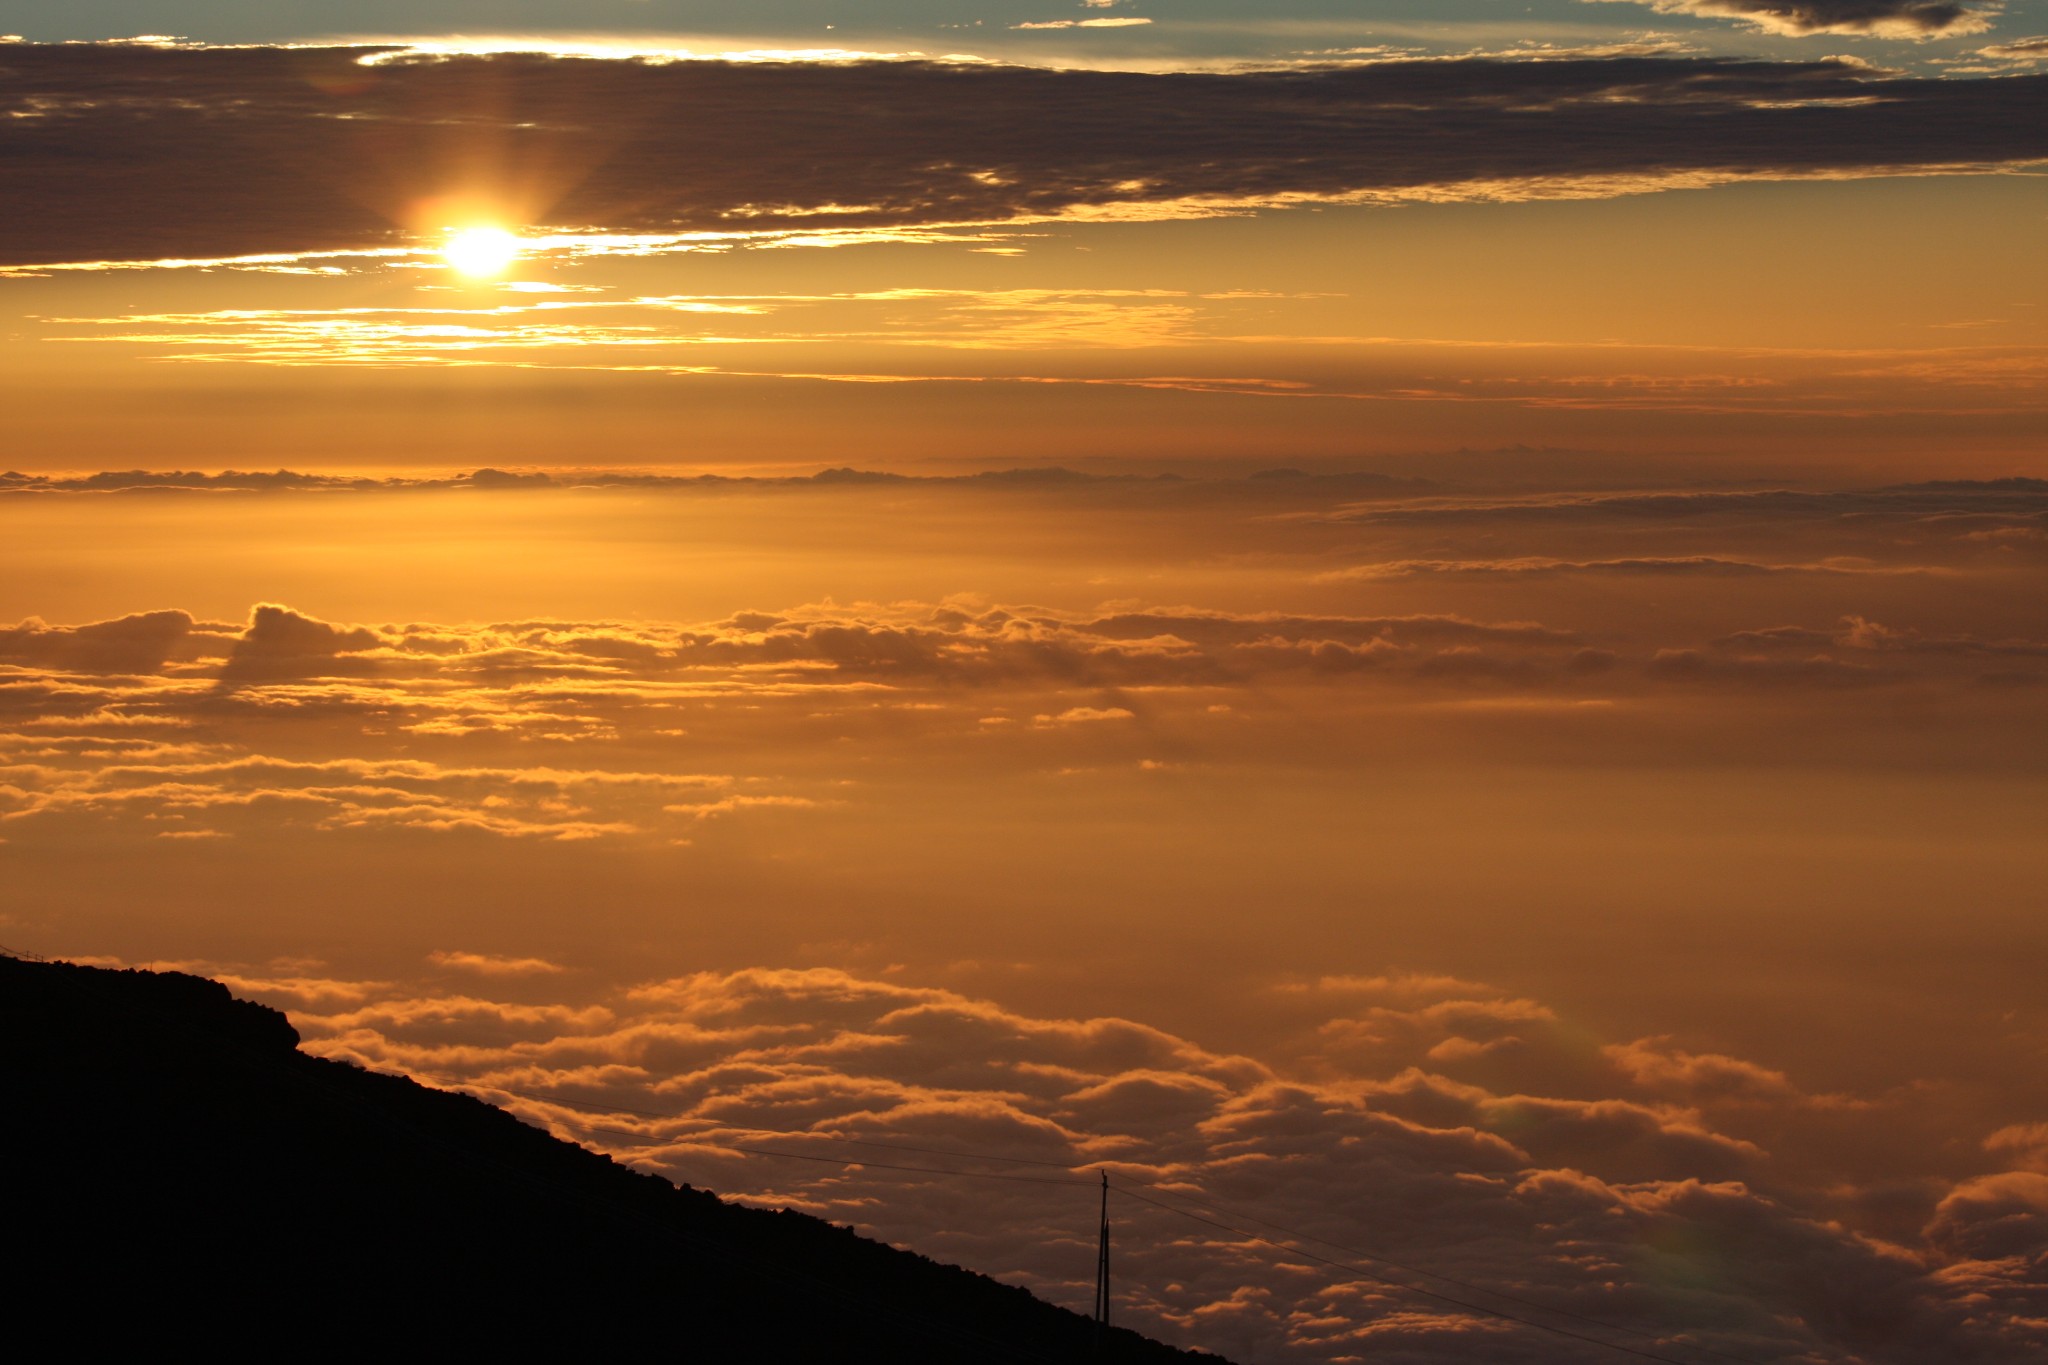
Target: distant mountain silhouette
point(179, 1174)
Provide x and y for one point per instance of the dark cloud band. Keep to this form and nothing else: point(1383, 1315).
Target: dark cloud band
point(135, 153)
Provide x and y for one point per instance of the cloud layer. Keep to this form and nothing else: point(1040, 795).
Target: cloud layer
point(134, 152)
point(1639, 626)
point(1088, 757)
point(173, 727)
point(1439, 1140)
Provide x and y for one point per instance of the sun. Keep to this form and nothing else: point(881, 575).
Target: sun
point(481, 252)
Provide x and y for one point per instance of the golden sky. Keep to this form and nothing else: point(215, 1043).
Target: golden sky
point(1644, 255)
point(1441, 646)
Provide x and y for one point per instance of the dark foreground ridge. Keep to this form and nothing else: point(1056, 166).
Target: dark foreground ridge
point(178, 1172)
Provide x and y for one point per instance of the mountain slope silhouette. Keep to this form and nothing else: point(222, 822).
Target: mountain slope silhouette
point(180, 1174)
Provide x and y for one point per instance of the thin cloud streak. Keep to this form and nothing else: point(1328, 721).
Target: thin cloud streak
point(1913, 19)
point(1105, 337)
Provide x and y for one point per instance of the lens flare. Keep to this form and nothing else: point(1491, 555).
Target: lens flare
point(481, 252)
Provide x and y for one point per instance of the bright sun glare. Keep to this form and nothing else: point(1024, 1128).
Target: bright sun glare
point(481, 252)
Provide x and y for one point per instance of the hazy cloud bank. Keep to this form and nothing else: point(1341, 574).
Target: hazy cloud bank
point(2017, 502)
point(163, 725)
point(499, 480)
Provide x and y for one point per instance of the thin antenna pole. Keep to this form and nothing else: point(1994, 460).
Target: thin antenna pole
point(1102, 1271)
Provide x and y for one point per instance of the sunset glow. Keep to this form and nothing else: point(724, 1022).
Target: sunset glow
point(1417, 625)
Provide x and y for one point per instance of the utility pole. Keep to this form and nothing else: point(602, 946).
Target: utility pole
point(1102, 1273)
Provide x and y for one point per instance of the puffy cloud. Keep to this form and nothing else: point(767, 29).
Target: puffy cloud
point(1878, 18)
point(1996, 1217)
point(140, 643)
point(281, 643)
point(1655, 1065)
point(2023, 1143)
point(204, 144)
point(1613, 1215)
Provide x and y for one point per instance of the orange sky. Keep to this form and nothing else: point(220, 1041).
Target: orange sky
point(1462, 670)
point(1666, 324)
